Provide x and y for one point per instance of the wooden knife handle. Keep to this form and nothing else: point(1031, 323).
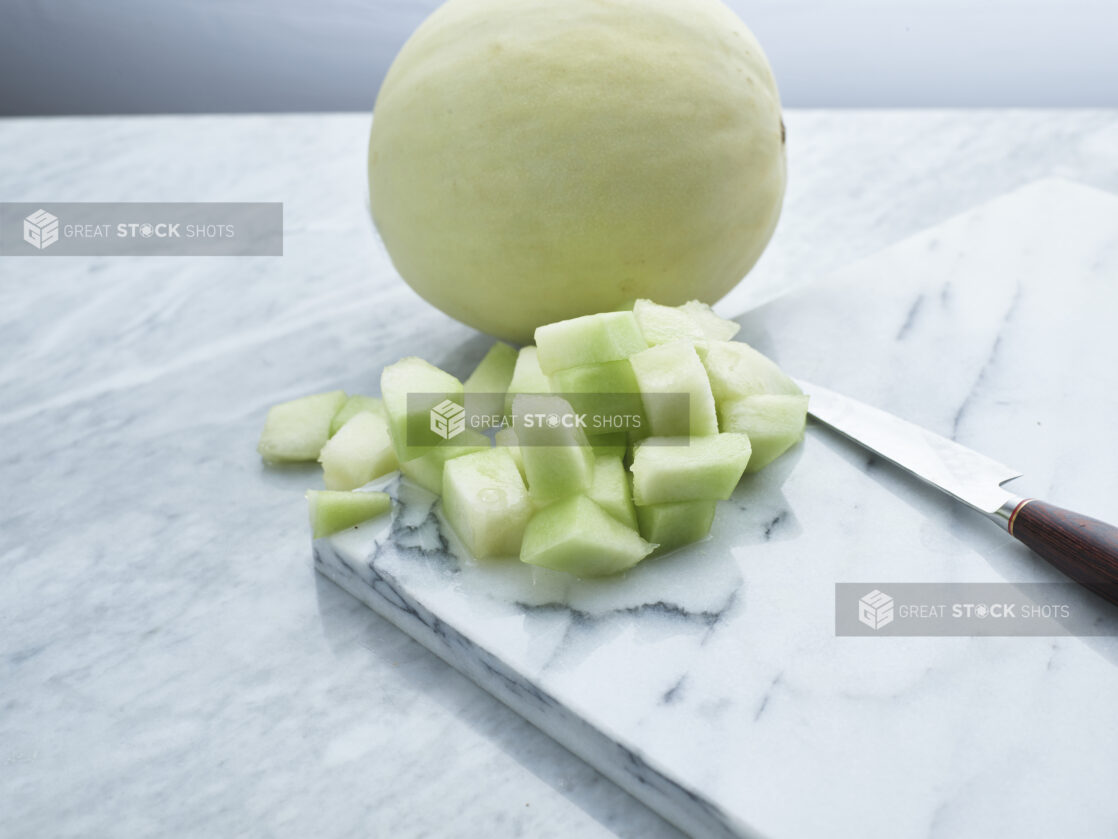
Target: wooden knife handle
point(1084, 548)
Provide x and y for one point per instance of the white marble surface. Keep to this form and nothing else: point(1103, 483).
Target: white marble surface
point(169, 662)
point(993, 328)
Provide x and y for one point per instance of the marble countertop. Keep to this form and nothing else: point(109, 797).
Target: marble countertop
point(169, 661)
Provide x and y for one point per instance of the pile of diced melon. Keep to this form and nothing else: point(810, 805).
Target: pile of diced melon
point(590, 504)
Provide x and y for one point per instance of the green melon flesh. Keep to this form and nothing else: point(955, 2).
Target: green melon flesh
point(409, 420)
point(558, 460)
point(331, 512)
point(714, 328)
point(359, 452)
point(494, 372)
point(527, 377)
point(607, 377)
point(614, 443)
point(353, 406)
point(736, 370)
point(773, 423)
point(607, 392)
point(688, 469)
point(665, 324)
point(672, 369)
point(486, 386)
point(507, 438)
point(591, 339)
point(579, 537)
point(297, 430)
point(672, 525)
point(427, 469)
point(611, 490)
point(486, 502)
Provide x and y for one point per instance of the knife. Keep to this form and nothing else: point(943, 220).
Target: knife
point(1083, 548)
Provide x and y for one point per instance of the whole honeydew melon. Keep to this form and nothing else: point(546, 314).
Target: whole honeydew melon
point(536, 160)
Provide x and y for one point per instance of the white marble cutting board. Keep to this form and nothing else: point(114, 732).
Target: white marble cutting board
point(710, 683)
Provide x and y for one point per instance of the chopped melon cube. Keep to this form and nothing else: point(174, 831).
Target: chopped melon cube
point(558, 460)
point(409, 419)
point(507, 437)
point(607, 377)
point(607, 391)
point(427, 469)
point(527, 377)
point(666, 374)
point(773, 423)
point(558, 471)
point(331, 511)
point(486, 386)
point(664, 324)
point(614, 443)
point(611, 491)
point(688, 469)
point(591, 339)
point(353, 406)
point(675, 524)
point(714, 328)
point(737, 370)
point(579, 537)
point(486, 502)
point(359, 452)
point(494, 372)
point(297, 430)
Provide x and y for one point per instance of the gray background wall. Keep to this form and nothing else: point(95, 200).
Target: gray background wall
point(173, 56)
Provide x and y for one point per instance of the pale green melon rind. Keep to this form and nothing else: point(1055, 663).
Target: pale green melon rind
point(427, 469)
point(579, 537)
point(534, 160)
point(675, 524)
point(590, 339)
point(773, 423)
point(361, 451)
point(356, 404)
point(611, 490)
point(688, 469)
point(296, 431)
point(486, 502)
point(331, 512)
point(671, 369)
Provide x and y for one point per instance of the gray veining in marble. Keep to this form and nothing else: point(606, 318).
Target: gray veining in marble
point(986, 327)
point(169, 662)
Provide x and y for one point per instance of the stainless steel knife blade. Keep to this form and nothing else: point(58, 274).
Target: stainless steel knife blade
point(965, 474)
